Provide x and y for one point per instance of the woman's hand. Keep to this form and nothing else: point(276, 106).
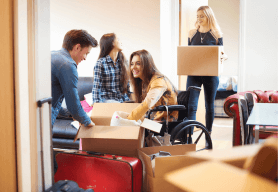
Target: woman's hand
point(223, 57)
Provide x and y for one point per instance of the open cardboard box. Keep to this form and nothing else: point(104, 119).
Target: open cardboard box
point(199, 60)
point(186, 156)
point(245, 168)
point(118, 140)
point(217, 176)
point(235, 156)
point(265, 162)
point(155, 170)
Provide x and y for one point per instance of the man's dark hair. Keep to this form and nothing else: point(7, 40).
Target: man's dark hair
point(81, 37)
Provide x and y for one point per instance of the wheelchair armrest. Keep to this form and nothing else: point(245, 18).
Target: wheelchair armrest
point(130, 101)
point(163, 108)
point(170, 108)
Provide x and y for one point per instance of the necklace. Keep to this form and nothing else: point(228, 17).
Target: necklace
point(202, 38)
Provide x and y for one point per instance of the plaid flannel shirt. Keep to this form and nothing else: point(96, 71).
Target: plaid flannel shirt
point(106, 84)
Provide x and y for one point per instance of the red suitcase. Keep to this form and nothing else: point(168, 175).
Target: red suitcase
point(100, 172)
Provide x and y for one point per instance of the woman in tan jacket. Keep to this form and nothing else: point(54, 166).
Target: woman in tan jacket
point(150, 87)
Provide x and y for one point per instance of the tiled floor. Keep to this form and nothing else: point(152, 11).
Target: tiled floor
point(222, 131)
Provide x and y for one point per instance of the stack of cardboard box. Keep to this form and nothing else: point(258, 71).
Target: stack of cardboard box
point(246, 168)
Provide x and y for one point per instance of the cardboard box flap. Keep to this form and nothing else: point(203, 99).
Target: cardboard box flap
point(215, 176)
point(146, 161)
point(264, 162)
point(159, 185)
point(101, 120)
point(151, 125)
point(109, 132)
point(164, 165)
point(240, 152)
point(103, 112)
point(106, 110)
point(173, 150)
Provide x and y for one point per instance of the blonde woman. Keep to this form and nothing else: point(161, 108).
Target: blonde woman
point(207, 32)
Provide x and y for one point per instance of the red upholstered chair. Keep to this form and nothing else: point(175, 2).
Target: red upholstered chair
point(232, 110)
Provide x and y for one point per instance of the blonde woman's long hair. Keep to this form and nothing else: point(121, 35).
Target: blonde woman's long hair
point(212, 22)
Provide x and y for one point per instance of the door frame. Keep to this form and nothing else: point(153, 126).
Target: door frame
point(8, 177)
point(31, 46)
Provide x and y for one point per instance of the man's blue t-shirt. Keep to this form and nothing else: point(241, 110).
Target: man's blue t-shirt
point(64, 79)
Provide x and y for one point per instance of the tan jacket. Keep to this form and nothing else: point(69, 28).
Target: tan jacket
point(159, 92)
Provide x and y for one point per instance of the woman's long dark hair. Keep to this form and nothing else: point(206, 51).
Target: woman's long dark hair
point(106, 46)
point(149, 69)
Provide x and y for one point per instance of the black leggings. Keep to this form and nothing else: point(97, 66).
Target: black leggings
point(210, 84)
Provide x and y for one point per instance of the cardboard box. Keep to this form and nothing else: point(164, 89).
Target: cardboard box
point(235, 156)
point(155, 170)
point(186, 156)
point(216, 176)
point(265, 162)
point(199, 60)
point(244, 168)
point(118, 140)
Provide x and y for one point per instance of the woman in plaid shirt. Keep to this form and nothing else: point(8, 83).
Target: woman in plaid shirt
point(151, 88)
point(110, 72)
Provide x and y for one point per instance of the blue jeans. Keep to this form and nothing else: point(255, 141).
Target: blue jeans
point(210, 84)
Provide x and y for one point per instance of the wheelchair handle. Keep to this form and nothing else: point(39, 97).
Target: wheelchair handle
point(167, 128)
point(194, 88)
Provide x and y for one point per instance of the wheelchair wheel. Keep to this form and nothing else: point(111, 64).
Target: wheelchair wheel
point(179, 133)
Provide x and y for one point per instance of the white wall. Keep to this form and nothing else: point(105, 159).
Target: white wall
point(189, 17)
point(227, 15)
point(169, 38)
point(136, 23)
point(258, 56)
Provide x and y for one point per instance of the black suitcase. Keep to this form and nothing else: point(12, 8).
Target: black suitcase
point(67, 186)
point(62, 185)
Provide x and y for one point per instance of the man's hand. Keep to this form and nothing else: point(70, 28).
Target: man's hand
point(91, 124)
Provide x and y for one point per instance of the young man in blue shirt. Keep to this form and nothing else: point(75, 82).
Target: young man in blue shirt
point(77, 45)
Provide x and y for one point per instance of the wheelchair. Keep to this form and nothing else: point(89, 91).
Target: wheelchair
point(180, 129)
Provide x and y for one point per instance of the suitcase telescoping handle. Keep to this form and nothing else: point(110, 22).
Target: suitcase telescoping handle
point(40, 104)
point(42, 101)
